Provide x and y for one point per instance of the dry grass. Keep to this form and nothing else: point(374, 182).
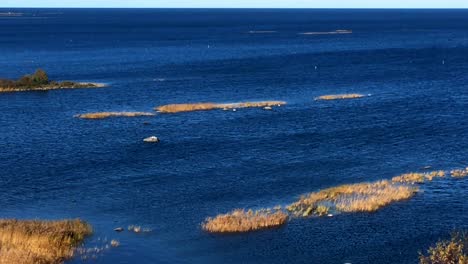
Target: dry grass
point(434, 174)
point(418, 177)
point(360, 197)
point(102, 115)
point(461, 173)
point(453, 251)
point(412, 177)
point(176, 108)
point(40, 242)
point(339, 96)
point(375, 198)
point(244, 221)
point(348, 198)
point(322, 210)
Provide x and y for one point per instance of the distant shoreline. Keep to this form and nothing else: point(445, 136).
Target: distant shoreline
point(58, 86)
point(10, 14)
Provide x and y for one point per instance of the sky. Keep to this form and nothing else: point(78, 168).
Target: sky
point(240, 3)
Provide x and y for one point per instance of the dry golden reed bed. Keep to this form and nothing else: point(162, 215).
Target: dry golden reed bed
point(453, 251)
point(40, 242)
point(418, 177)
point(243, 221)
point(102, 115)
point(360, 197)
point(176, 108)
point(339, 96)
point(347, 198)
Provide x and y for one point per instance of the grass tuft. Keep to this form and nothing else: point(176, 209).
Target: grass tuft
point(176, 108)
point(102, 115)
point(322, 210)
point(34, 241)
point(339, 96)
point(243, 221)
point(453, 251)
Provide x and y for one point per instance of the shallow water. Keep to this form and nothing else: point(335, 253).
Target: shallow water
point(413, 63)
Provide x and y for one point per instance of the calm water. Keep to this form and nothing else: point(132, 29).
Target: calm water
point(414, 63)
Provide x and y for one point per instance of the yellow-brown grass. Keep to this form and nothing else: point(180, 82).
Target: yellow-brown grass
point(176, 108)
point(40, 242)
point(349, 198)
point(102, 115)
point(459, 173)
point(360, 197)
point(412, 177)
point(375, 198)
point(434, 174)
point(418, 177)
point(339, 96)
point(453, 251)
point(244, 221)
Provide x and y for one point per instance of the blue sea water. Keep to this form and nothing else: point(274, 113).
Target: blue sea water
point(414, 63)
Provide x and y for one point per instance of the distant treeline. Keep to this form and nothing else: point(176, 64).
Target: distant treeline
point(38, 79)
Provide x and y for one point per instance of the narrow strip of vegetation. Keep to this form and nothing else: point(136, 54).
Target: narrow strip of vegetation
point(39, 81)
point(339, 96)
point(34, 241)
point(244, 221)
point(360, 197)
point(453, 251)
point(176, 108)
point(347, 198)
point(102, 115)
point(412, 177)
point(461, 173)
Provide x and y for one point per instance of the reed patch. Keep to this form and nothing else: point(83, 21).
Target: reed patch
point(460, 173)
point(243, 221)
point(348, 198)
point(359, 197)
point(412, 177)
point(103, 115)
point(177, 108)
point(35, 241)
point(339, 96)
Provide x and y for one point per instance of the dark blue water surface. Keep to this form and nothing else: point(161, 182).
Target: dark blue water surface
point(414, 63)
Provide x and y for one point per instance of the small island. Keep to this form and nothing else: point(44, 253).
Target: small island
point(39, 81)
